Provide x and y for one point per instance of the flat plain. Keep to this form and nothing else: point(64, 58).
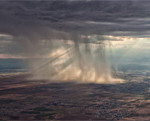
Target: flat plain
point(24, 99)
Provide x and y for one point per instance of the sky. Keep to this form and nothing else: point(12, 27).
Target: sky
point(75, 39)
point(26, 26)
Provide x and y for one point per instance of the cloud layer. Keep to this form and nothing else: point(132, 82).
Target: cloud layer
point(70, 34)
point(85, 17)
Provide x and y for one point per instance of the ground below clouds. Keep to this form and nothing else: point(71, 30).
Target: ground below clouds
point(22, 99)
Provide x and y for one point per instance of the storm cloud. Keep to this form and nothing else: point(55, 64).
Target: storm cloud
point(68, 36)
point(82, 17)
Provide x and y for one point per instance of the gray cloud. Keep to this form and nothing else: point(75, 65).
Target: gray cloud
point(33, 21)
point(39, 28)
point(84, 17)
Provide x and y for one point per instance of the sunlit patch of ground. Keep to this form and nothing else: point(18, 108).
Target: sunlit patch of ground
point(39, 100)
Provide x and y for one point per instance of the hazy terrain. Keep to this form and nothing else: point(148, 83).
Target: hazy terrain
point(24, 99)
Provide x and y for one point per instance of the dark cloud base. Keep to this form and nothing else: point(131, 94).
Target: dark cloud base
point(81, 17)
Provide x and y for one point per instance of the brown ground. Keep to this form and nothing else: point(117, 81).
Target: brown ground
point(22, 99)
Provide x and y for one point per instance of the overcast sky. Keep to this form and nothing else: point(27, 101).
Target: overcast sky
point(25, 23)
